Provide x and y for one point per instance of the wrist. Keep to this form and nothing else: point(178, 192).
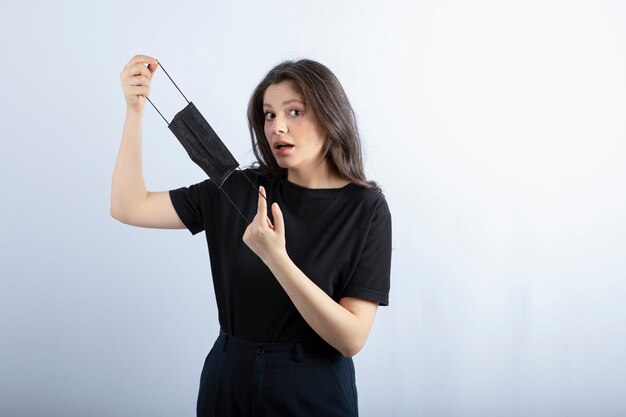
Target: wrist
point(134, 112)
point(277, 259)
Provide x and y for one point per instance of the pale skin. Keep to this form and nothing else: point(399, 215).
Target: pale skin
point(344, 325)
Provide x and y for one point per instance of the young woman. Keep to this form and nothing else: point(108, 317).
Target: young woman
point(298, 288)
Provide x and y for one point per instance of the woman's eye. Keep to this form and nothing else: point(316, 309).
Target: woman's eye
point(295, 112)
point(269, 115)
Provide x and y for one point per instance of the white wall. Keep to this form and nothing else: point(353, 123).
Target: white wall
point(496, 128)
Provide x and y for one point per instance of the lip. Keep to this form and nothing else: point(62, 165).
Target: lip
point(281, 142)
point(283, 151)
point(279, 151)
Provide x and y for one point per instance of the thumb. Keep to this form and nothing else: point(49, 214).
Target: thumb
point(279, 223)
point(152, 67)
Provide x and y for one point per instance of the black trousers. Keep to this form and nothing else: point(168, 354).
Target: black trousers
point(242, 378)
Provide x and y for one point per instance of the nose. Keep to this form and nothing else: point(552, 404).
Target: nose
point(278, 126)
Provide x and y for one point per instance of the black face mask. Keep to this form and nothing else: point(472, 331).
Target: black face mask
point(202, 144)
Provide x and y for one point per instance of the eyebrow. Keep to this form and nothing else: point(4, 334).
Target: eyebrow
point(284, 102)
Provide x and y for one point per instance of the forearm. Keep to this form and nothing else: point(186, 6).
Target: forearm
point(335, 324)
point(128, 186)
point(344, 325)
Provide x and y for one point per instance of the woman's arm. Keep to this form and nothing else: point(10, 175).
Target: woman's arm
point(344, 325)
point(131, 203)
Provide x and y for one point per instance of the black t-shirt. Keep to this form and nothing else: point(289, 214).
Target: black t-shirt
point(340, 238)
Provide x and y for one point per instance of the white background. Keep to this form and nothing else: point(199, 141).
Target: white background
point(496, 128)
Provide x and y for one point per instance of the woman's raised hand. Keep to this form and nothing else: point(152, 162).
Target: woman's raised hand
point(265, 239)
point(135, 78)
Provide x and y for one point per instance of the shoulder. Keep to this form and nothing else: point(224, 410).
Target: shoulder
point(365, 206)
point(373, 199)
point(197, 188)
point(245, 176)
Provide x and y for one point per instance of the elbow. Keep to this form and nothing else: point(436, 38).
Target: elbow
point(116, 214)
point(350, 349)
point(349, 353)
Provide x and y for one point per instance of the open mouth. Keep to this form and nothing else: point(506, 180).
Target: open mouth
point(282, 145)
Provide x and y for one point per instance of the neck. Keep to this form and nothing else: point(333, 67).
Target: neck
point(320, 177)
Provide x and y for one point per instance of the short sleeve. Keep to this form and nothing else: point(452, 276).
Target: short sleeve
point(190, 204)
point(371, 279)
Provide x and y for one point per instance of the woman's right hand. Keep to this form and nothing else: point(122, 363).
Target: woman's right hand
point(135, 78)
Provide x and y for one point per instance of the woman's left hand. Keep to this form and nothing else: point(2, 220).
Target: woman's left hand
point(265, 239)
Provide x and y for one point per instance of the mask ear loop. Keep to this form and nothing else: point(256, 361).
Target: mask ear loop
point(243, 173)
point(181, 93)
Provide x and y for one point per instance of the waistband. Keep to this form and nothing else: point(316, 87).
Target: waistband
point(295, 351)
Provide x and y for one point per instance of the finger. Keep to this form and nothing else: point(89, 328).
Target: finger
point(135, 71)
point(262, 205)
point(138, 90)
point(153, 67)
point(139, 80)
point(138, 69)
point(279, 222)
point(137, 59)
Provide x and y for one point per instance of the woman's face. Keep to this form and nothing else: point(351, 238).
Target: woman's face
point(291, 129)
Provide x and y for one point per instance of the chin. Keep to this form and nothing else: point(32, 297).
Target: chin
point(283, 164)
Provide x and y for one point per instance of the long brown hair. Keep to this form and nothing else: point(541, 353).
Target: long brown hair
point(324, 95)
